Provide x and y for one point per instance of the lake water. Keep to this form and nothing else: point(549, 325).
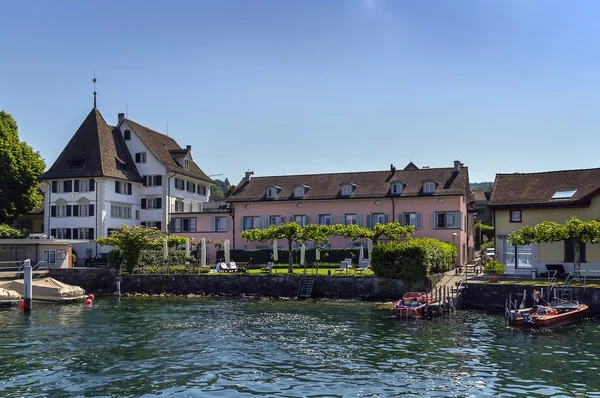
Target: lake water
point(147, 347)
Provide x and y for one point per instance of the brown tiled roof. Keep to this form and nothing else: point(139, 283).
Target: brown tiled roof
point(481, 195)
point(537, 189)
point(102, 150)
point(163, 146)
point(369, 184)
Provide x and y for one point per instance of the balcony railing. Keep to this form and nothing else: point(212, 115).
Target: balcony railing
point(199, 207)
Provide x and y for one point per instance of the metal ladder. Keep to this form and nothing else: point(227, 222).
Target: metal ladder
point(306, 286)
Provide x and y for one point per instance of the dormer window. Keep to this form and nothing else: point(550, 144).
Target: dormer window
point(272, 192)
point(347, 189)
point(429, 187)
point(126, 135)
point(76, 164)
point(397, 188)
point(299, 192)
point(186, 164)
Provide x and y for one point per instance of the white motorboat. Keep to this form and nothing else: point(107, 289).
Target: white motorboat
point(9, 297)
point(47, 290)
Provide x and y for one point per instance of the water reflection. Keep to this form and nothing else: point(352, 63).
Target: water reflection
point(189, 347)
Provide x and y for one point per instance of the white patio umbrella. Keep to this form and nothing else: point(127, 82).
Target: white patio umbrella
point(165, 249)
point(275, 252)
point(369, 248)
point(226, 249)
point(187, 248)
point(318, 254)
point(361, 254)
point(203, 253)
point(302, 254)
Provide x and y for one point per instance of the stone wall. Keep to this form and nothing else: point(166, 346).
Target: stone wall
point(491, 297)
point(91, 280)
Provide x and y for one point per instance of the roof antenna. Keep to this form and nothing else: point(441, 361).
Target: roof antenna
point(125, 109)
point(94, 80)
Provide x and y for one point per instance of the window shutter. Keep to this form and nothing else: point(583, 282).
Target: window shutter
point(291, 218)
point(401, 219)
point(76, 186)
point(53, 232)
point(213, 224)
point(458, 219)
point(359, 219)
point(386, 218)
point(68, 233)
point(145, 183)
point(264, 222)
point(192, 225)
point(54, 186)
point(117, 187)
point(227, 224)
point(369, 221)
point(282, 220)
point(178, 225)
point(158, 182)
point(432, 221)
point(91, 233)
point(159, 203)
point(75, 211)
point(68, 210)
point(333, 219)
point(129, 188)
point(306, 220)
point(143, 203)
point(92, 185)
point(91, 210)
point(194, 188)
point(52, 211)
point(159, 225)
point(137, 157)
point(241, 223)
point(419, 222)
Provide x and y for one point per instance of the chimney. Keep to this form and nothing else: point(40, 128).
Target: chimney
point(121, 116)
point(457, 165)
point(248, 175)
point(188, 147)
point(392, 169)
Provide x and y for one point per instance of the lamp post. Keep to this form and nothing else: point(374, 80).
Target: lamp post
point(453, 239)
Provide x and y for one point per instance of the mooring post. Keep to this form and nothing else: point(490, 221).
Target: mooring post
point(119, 286)
point(27, 286)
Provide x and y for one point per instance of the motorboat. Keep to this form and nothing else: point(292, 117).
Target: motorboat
point(412, 305)
point(9, 297)
point(47, 290)
point(561, 312)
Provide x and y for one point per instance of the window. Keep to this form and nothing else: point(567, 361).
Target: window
point(110, 231)
point(124, 188)
point(570, 251)
point(346, 190)
point(83, 233)
point(50, 256)
point(127, 135)
point(377, 218)
point(274, 220)
point(299, 192)
point(350, 219)
point(525, 254)
point(202, 190)
point(186, 164)
point(76, 164)
point(63, 211)
point(452, 219)
point(184, 224)
point(140, 157)
point(429, 187)
point(179, 184)
point(117, 211)
point(191, 187)
point(411, 219)
point(153, 181)
point(151, 203)
point(325, 219)
point(61, 233)
point(221, 224)
point(397, 188)
point(300, 220)
point(137, 214)
point(84, 185)
point(564, 194)
point(271, 192)
point(250, 223)
point(152, 224)
point(83, 210)
point(515, 216)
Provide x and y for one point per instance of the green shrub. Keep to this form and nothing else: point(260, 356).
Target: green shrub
point(8, 232)
point(413, 259)
point(73, 258)
point(493, 267)
point(115, 259)
point(485, 246)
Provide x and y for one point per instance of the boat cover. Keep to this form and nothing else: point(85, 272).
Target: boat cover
point(47, 289)
point(9, 295)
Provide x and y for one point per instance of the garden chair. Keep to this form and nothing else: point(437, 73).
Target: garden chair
point(268, 268)
point(343, 267)
point(223, 267)
point(233, 266)
point(363, 266)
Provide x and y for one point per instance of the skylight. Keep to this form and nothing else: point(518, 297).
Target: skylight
point(564, 194)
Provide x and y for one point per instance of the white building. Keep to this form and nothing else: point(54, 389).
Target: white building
point(109, 176)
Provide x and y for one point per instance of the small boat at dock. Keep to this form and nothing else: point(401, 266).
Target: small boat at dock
point(558, 313)
point(412, 305)
point(9, 298)
point(47, 290)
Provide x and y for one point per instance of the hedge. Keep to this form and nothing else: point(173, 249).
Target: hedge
point(263, 256)
point(413, 259)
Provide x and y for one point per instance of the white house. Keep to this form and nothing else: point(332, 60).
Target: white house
point(109, 176)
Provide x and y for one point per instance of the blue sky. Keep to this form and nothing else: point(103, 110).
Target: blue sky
point(294, 87)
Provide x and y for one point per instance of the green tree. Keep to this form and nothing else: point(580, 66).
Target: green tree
point(131, 241)
point(291, 231)
point(482, 230)
point(574, 230)
point(174, 241)
point(20, 168)
point(8, 232)
point(393, 231)
point(216, 190)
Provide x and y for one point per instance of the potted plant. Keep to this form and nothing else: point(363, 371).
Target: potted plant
point(493, 269)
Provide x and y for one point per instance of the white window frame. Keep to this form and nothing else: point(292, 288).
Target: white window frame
point(410, 219)
point(152, 181)
point(120, 211)
point(61, 233)
point(299, 219)
point(429, 187)
point(186, 164)
point(61, 211)
point(137, 214)
point(452, 219)
point(516, 219)
point(346, 190)
point(83, 233)
point(397, 188)
point(377, 218)
point(151, 203)
point(220, 224)
point(353, 217)
point(299, 192)
point(248, 225)
point(83, 211)
point(271, 192)
point(143, 157)
point(49, 256)
point(84, 185)
point(274, 220)
point(326, 218)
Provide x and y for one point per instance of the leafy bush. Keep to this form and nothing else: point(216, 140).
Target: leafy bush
point(483, 230)
point(73, 258)
point(8, 232)
point(485, 246)
point(493, 267)
point(263, 256)
point(115, 259)
point(413, 259)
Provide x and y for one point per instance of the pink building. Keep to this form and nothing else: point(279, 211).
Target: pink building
point(435, 200)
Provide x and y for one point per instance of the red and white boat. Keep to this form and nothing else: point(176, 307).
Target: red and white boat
point(412, 305)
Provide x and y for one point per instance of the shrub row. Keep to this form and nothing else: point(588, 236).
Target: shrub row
point(413, 259)
point(263, 256)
